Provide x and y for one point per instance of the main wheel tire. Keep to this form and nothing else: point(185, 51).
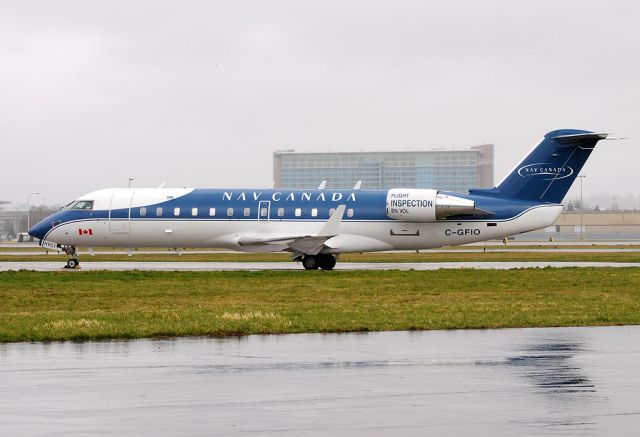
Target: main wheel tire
point(327, 262)
point(72, 263)
point(310, 262)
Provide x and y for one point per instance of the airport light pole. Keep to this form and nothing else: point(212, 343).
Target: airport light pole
point(29, 209)
point(130, 179)
point(581, 207)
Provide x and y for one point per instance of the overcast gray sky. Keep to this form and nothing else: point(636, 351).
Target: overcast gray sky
point(200, 93)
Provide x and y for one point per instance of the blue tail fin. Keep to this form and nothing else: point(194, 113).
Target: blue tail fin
point(546, 174)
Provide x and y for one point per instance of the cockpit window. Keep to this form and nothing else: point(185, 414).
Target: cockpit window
point(81, 204)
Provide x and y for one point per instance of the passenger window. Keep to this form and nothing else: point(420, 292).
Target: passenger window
point(212, 212)
point(176, 211)
point(350, 212)
point(280, 212)
point(331, 211)
point(194, 211)
point(263, 212)
point(298, 212)
point(247, 212)
point(143, 211)
point(314, 212)
point(159, 212)
point(229, 212)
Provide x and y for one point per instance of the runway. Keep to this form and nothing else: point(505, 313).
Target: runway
point(227, 252)
point(261, 266)
point(557, 381)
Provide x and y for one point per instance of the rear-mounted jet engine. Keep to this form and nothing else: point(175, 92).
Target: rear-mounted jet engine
point(422, 205)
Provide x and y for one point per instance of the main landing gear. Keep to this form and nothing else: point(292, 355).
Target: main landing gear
point(74, 261)
point(322, 261)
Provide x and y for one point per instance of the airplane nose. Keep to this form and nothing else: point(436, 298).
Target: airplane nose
point(38, 230)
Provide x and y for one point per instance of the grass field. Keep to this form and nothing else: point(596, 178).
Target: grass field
point(104, 305)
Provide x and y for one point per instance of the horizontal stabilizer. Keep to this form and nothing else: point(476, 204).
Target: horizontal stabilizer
point(574, 139)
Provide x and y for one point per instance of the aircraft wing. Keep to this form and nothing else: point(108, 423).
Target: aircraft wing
point(308, 244)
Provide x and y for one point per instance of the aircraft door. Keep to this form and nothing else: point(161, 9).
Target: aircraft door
point(264, 211)
point(120, 211)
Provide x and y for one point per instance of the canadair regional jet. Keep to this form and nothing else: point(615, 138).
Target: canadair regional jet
point(316, 225)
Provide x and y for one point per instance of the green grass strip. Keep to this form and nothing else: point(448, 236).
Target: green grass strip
point(80, 305)
point(425, 256)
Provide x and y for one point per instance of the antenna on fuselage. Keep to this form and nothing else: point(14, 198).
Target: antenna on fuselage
point(322, 185)
point(357, 185)
point(162, 184)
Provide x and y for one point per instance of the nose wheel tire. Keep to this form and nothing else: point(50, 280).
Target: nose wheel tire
point(72, 263)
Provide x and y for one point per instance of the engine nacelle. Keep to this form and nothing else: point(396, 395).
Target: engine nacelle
point(423, 205)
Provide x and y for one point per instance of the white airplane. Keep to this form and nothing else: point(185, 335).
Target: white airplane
point(316, 225)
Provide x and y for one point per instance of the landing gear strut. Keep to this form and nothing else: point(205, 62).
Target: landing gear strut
point(74, 261)
point(323, 261)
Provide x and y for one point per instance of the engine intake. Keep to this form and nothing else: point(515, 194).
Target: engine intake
point(423, 205)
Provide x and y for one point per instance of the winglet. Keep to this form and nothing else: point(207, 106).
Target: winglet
point(322, 185)
point(332, 225)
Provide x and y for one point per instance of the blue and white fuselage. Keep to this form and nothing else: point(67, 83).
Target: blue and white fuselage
point(314, 224)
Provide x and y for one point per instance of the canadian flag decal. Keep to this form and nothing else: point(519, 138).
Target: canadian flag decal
point(85, 231)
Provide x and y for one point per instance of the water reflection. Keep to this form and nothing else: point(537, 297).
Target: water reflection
point(550, 366)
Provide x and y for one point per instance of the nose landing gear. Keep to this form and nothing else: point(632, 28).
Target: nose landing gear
point(74, 261)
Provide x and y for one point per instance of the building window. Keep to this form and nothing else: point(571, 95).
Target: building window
point(280, 212)
point(247, 212)
point(212, 212)
point(298, 212)
point(194, 211)
point(229, 212)
point(350, 212)
point(176, 212)
point(159, 212)
point(314, 212)
point(143, 211)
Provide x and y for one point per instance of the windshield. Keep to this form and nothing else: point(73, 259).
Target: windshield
point(80, 204)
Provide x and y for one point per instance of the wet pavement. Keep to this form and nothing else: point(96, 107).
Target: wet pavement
point(255, 266)
point(557, 381)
